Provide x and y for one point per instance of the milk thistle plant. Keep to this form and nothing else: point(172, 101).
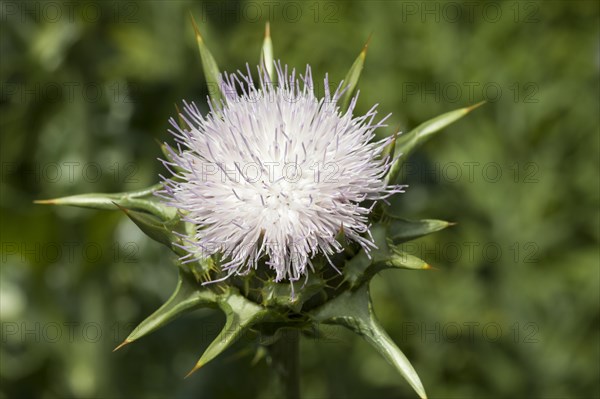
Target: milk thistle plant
point(274, 202)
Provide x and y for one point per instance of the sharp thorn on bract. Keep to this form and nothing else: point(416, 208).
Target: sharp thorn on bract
point(196, 30)
point(122, 344)
point(192, 371)
point(45, 202)
point(475, 106)
point(366, 46)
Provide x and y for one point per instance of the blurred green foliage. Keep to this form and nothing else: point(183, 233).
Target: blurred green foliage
point(513, 307)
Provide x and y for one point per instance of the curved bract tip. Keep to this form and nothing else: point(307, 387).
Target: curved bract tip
point(197, 367)
point(122, 344)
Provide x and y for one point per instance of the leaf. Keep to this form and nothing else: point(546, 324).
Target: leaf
point(353, 310)
point(362, 267)
point(157, 229)
point(188, 296)
point(402, 230)
point(240, 315)
point(406, 143)
point(380, 233)
point(266, 54)
point(399, 260)
point(355, 269)
point(180, 122)
point(169, 152)
point(143, 200)
point(352, 77)
point(390, 149)
point(285, 296)
point(210, 68)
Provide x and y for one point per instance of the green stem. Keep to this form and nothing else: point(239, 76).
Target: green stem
point(285, 355)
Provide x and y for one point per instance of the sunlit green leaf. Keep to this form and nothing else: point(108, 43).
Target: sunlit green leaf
point(402, 230)
point(406, 143)
point(210, 68)
point(143, 200)
point(266, 54)
point(362, 267)
point(390, 149)
point(353, 310)
point(352, 77)
point(157, 229)
point(189, 295)
point(240, 315)
point(399, 260)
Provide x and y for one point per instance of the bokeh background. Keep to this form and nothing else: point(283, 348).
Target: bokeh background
point(512, 309)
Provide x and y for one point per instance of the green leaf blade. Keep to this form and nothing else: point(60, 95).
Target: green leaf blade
point(378, 338)
point(210, 68)
point(241, 314)
point(157, 229)
point(400, 260)
point(403, 230)
point(353, 310)
point(356, 270)
point(352, 77)
point(142, 200)
point(406, 143)
point(188, 296)
point(266, 54)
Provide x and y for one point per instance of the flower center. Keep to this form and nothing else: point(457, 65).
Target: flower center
point(282, 200)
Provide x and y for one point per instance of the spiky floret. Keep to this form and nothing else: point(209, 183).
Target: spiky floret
point(274, 173)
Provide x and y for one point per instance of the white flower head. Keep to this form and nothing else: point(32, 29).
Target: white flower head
point(275, 173)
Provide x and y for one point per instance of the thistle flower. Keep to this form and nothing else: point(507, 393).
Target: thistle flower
point(269, 178)
point(276, 171)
